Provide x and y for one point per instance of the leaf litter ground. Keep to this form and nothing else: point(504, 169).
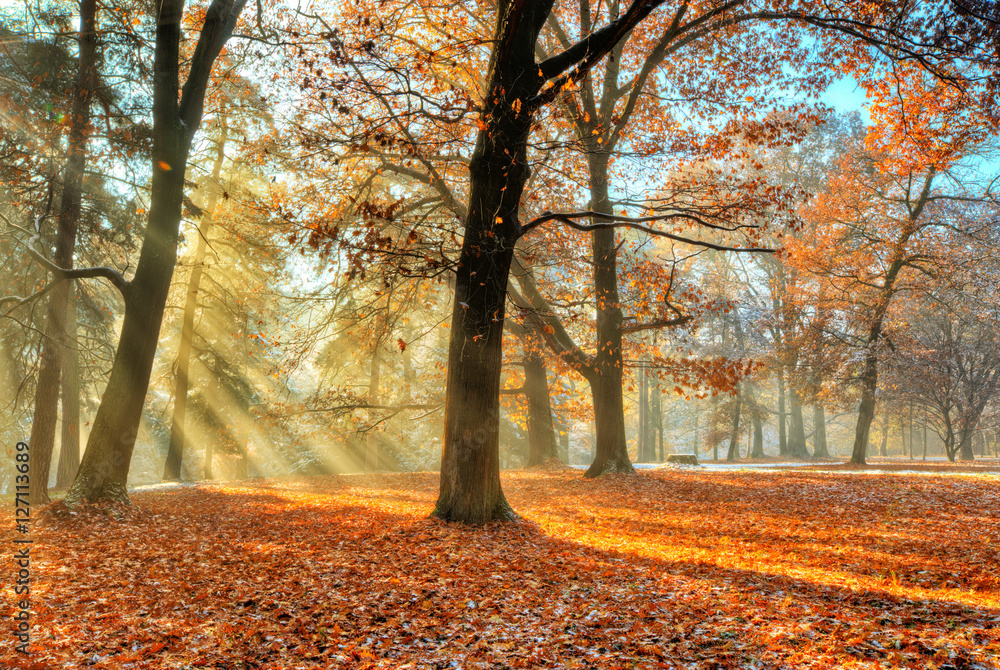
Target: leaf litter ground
point(666, 569)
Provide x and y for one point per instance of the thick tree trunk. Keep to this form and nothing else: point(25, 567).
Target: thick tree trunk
point(43, 423)
point(609, 406)
point(611, 454)
point(819, 433)
point(103, 473)
point(69, 452)
point(541, 432)
point(965, 445)
point(797, 439)
point(470, 465)
point(175, 452)
point(866, 411)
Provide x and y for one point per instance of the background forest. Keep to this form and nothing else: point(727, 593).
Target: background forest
point(748, 230)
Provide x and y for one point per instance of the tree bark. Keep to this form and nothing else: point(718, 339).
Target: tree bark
point(43, 422)
point(965, 445)
point(782, 434)
point(734, 447)
point(103, 473)
point(609, 406)
point(820, 449)
point(69, 452)
point(541, 432)
point(657, 410)
point(882, 451)
point(869, 374)
point(643, 448)
point(373, 459)
point(470, 465)
point(866, 410)
point(797, 440)
point(175, 452)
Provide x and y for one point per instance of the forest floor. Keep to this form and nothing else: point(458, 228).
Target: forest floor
point(674, 568)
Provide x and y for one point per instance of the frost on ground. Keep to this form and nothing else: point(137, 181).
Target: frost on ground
point(673, 568)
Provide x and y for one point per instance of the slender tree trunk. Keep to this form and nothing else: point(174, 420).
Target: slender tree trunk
point(758, 427)
point(909, 430)
point(734, 448)
point(658, 418)
point(797, 440)
point(372, 455)
point(882, 451)
point(925, 440)
point(43, 422)
point(541, 432)
point(643, 448)
point(69, 452)
point(819, 431)
point(782, 434)
point(869, 373)
point(103, 473)
point(175, 452)
point(694, 446)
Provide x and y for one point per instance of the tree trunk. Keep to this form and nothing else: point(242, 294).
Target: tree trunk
point(643, 448)
point(541, 432)
point(609, 406)
point(43, 422)
point(470, 465)
point(611, 456)
point(734, 448)
point(909, 431)
point(694, 446)
point(372, 455)
point(797, 440)
point(175, 452)
point(658, 418)
point(925, 440)
point(866, 411)
point(103, 473)
point(782, 435)
point(69, 452)
point(882, 451)
point(243, 425)
point(965, 446)
point(758, 427)
point(819, 433)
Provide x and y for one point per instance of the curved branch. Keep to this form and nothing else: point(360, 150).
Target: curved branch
point(636, 223)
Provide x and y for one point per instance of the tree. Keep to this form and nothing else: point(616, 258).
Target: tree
point(952, 360)
point(56, 337)
point(175, 452)
point(104, 469)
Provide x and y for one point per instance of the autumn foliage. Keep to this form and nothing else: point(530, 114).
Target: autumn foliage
point(667, 569)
